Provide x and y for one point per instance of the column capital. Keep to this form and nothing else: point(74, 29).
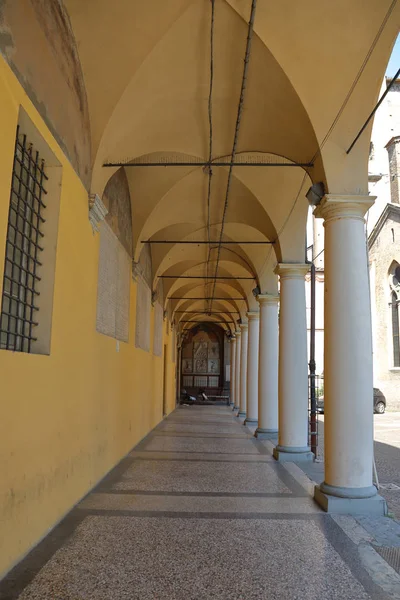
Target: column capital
point(291, 270)
point(267, 299)
point(253, 315)
point(244, 326)
point(334, 206)
point(238, 333)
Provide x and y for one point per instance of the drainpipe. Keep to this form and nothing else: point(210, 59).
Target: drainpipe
point(312, 365)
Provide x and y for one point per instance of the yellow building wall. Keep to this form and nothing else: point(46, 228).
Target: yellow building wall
point(68, 418)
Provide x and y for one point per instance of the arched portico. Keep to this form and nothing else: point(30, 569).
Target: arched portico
point(215, 231)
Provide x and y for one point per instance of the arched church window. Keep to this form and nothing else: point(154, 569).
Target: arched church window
point(395, 331)
point(395, 301)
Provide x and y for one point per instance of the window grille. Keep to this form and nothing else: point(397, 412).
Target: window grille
point(395, 331)
point(23, 249)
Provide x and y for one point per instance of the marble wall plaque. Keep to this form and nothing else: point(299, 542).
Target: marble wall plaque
point(200, 365)
point(187, 365)
point(200, 350)
point(213, 365)
point(113, 288)
point(213, 350)
point(158, 329)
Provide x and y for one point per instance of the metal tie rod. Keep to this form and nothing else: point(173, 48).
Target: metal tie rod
point(202, 298)
point(205, 312)
point(203, 277)
point(225, 322)
point(201, 242)
point(207, 164)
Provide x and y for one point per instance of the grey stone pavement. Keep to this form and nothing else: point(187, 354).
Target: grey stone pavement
point(200, 510)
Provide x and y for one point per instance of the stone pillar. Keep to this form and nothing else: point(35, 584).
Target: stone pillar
point(348, 381)
point(268, 367)
point(252, 368)
point(243, 371)
point(293, 369)
point(232, 371)
point(238, 335)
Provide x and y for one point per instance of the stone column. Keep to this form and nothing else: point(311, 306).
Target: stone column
point(252, 368)
point(238, 335)
point(232, 371)
point(243, 371)
point(293, 369)
point(348, 382)
point(268, 367)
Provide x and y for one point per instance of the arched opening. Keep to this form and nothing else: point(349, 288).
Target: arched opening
point(202, 360)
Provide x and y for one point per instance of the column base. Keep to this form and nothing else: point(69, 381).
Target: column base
point(293, 454)
point(231, 404)
point(265, 434)
point(235, 407)
point(350, 501)
point(241, 415)
point(249, 421)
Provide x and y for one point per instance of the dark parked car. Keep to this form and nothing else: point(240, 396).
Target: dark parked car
point(379, 402)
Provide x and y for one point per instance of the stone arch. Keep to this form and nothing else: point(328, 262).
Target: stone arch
point(117, 200)
point(45, 59)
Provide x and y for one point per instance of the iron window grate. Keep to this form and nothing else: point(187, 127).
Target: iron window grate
point(18, 310)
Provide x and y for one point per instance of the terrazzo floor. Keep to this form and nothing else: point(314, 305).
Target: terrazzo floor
point(200, 510)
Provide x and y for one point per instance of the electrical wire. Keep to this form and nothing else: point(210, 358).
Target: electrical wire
point(210, 145)
point(236, 135)
point(356, 79)
point(340, 112)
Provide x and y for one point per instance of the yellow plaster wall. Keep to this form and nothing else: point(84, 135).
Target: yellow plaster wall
point(67, 418)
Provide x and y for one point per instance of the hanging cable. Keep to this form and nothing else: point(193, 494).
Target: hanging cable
point(236, 136)
point(210, 145)
point(356, 79)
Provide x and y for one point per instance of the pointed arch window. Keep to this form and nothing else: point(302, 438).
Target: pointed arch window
point(395, 302)
point(395, 330)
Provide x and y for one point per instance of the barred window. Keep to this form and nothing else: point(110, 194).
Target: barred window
point(19, 310)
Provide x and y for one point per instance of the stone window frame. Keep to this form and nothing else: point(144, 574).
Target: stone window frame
point(49, 228)
point(394, 315)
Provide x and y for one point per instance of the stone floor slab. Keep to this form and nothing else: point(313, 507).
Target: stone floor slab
point(198, 517)
point(130, 558)
point(208, 445)
point(201, 428)
point(200, 504)
point(201, 456)
point(201, 477)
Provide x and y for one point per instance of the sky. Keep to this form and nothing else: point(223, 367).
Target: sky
point(394, 62)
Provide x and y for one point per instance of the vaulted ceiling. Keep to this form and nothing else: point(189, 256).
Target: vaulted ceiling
point(314, 73)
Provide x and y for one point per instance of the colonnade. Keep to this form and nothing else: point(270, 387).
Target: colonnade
point(269, 371)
